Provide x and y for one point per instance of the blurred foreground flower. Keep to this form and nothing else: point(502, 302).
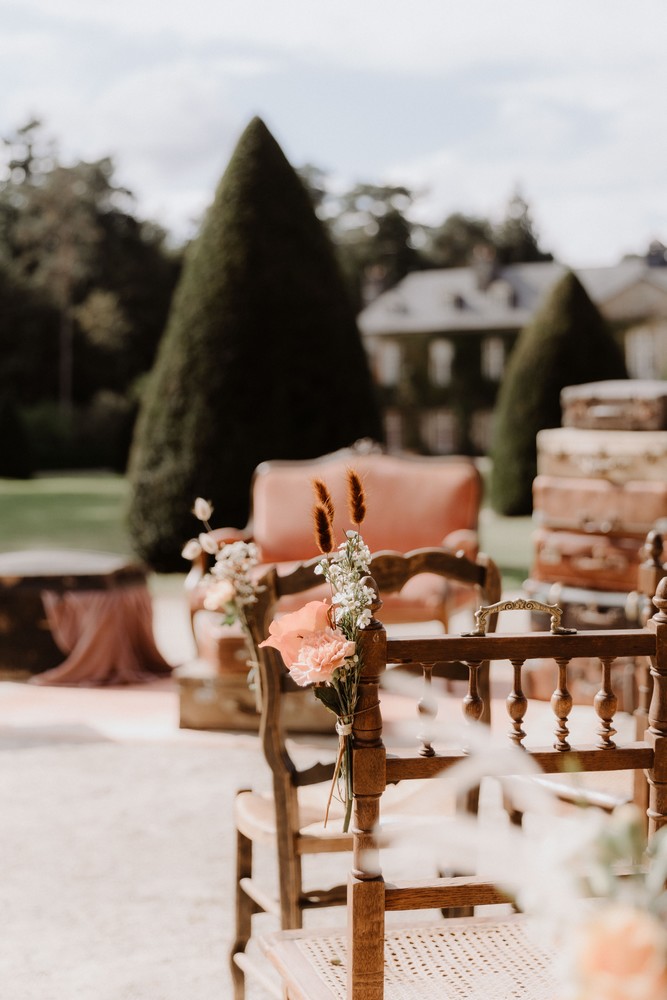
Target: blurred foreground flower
point(620, 953)
point(592, 888)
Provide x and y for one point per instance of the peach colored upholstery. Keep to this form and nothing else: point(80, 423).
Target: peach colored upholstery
point(412, 502)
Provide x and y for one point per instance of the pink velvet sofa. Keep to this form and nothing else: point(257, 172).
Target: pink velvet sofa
point(412, 502)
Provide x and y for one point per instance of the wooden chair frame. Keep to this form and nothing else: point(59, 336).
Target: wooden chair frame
point(390, 571)
point(369, 896)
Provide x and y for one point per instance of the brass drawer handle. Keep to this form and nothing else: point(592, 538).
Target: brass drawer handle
point(520, 604)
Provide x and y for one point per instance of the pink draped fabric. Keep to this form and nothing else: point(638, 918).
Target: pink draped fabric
point(108, 635)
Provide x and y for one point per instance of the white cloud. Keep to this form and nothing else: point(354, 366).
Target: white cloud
point(429, 36)
point(568, 96)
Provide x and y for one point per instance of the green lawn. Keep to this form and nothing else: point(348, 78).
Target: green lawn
point(64, 511)
point(87, 512)
point(508, 540)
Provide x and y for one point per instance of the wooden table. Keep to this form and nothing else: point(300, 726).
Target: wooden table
point(76, 618)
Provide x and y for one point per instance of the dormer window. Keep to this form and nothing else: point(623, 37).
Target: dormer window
point(454, 300)
point(503, 293)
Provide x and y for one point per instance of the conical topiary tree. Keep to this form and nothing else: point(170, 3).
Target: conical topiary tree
point(567, 343)
point(261, 357)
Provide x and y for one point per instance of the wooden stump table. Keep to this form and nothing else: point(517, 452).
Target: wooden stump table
point(76, 618)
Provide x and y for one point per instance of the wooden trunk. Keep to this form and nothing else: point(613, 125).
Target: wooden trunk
point(619, 456)
point(622, 405)
point(598, 562)
point(599, 506)
point(584, 608)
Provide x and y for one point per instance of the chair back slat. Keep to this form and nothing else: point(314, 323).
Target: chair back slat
point(507, 646)
point(470, 651)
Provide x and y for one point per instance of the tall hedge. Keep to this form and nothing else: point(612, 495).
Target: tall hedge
point(16, 459)
point(261, 357)
point(567, 343)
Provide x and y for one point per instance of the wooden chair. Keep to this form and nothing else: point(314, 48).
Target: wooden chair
point(414, 501)
point(280, 821)
point(371, 961)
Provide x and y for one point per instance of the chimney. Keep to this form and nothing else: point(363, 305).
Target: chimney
point(484, 265)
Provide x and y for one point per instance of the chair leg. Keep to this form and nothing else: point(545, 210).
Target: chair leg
point(290, 878)
point(244, 911)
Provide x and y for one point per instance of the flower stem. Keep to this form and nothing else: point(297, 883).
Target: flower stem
point(348, 784)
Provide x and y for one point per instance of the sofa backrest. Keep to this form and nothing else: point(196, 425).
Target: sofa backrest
point(412, 501)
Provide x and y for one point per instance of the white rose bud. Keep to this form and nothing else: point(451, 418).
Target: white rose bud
point(219, 595)
point(208, 543)
point(203, 509)
point(191, 549)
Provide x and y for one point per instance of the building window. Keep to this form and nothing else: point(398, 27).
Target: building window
point(393, 430)
point(493, 358)
point(438, 431)
point(481, 431)
point(440, 358)
point(641, 353)
point(388, 361)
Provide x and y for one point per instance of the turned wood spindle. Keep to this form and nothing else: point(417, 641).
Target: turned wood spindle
point(606, 703)
point(427, 707)
point(473, 705)
point(657, 713)
point(517, 704)
point(561, 704)
point(367, 733)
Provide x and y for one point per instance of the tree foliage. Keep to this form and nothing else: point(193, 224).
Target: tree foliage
point(15, 454)
point(378, 240)
point(261, 357)
point(513, 240)
point(567, 343)
point(68, 242)
point(375, 240)
point(453, 243)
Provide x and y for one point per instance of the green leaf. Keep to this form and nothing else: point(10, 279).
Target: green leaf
point(328, 697)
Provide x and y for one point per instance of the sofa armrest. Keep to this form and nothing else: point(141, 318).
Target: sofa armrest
point(462, 540)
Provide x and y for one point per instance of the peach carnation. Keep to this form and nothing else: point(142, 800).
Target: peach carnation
point(286, 634)
point(320, 655)
point(622, 955)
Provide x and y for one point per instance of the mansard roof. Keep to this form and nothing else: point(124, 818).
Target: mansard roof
point(453, 300)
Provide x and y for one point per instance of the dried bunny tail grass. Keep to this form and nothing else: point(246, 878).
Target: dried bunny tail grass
point(356, 497)
point(322, 529)
point(324, 498)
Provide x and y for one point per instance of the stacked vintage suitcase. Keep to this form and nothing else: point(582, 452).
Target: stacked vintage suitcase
point(601, 486)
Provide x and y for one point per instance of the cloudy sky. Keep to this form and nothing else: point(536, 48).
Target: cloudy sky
point(464, 101)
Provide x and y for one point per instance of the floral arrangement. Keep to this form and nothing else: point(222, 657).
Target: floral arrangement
point(619, 948)
point(318, 643)
point(592, 887)
point(229, 586)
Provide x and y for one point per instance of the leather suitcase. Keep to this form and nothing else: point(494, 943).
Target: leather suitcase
point(586, 609)
point(623, 404)
point(578, 559)
point(619, 456)
point(599, 506)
